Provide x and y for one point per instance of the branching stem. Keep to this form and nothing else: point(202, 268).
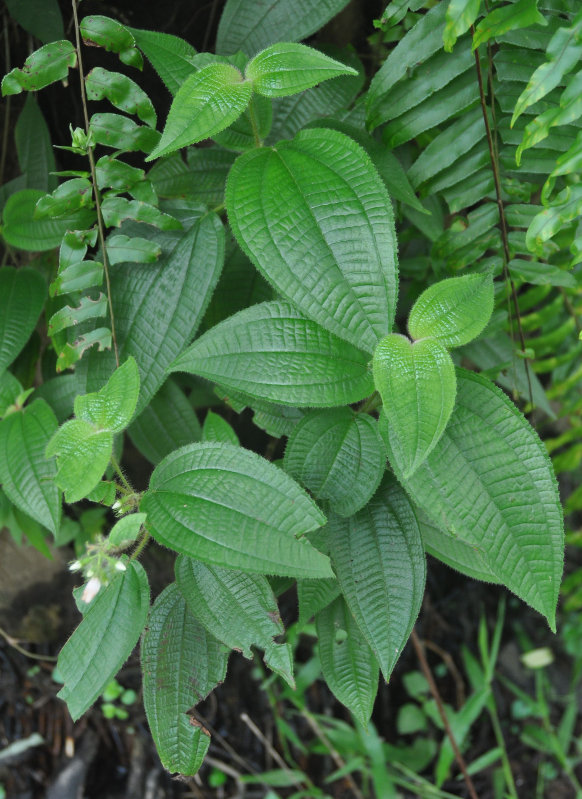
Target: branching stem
point(97, 195)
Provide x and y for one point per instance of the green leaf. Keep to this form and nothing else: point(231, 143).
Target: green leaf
point(453, 551)
point(26, 476)
point(113, 36)
point(202, 179)
point(453, 311)
point(313, 596)
point(126, 530)
point(215, 428)
point(461, 14)
point(339, 456)
point(348, 665)
point(33, 145)
point(416, 381)
point(122, 249)
point(566, 207)
point(337, 261)
point(271, 351)
point(286, 68)
point(509, 507)
point(227, 507)
point(158, 307)
point(122, 92)
point(379, 560)
point(117, 209)
point(166, 423)
point(181, 664)
point(245, 27)
point(113, 406)
point(41, 18)
point(563, 54)
point(67, 316)
point(22, 297)
point(10, 391)
point(66, 199)
point(45, 66)
point(242, 134)
point(169, 55)
point(424, 39)
point(122, 133)
point(21, 230)
point(83, 454)
point(239, 609)
point(508, 18)
point(104, 639)
point(206, 103)
point(541, 274)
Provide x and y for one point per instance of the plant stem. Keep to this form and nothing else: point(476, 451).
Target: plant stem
point(254, 123)
point(97, 195)
point(336, 757)
point(419, 649)
point(143, 542)
point(498, 732)
point(374, 401)
point(502, 220)
point(13, 643)
point(6, 128)
point(125, 482)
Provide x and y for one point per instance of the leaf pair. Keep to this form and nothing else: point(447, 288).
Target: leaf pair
point(416, 379)
point(84, 445)
point(217, 94)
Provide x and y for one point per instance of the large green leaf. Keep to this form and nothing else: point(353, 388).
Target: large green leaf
point(239, 609)
point(27, 478)
point(416, 381)
point(206, 103)
point(521, 14)
point(158, 307)
point(315, 218)
point(245, 26)
point(22, 296)
point(453, 311)
point(226, 506)
point(104, 639)
point(286, 68)
point(181, 664)
point(271, 351)
point(168, 422)
point(489, 482)
point(339, 456)
point(169, 55)
point(42, 18)
point(83, 454)
point(347, 662)
point(34, 148)
point(379, 560)
point(112, 407)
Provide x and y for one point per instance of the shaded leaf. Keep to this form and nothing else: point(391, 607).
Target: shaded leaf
point(169, 55)
point(45, 66)
point(22, 297)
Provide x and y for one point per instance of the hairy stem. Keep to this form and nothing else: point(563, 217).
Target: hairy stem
point(96, 194)
point(419, 649)
point(502, 220)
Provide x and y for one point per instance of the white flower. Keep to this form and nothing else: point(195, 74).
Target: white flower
point(91, 589)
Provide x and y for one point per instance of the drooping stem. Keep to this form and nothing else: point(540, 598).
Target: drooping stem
point(96, 194)
point(15, 645)
point(419, 649)
point(502, 219)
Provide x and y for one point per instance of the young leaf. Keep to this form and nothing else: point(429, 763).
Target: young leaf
point(215, 428)
point(158, 307)
point(83, 454)
point(126, 529)
point(286, 68)
point(337, 260)
point(122, 92)
point(379, 560)
point(509, 506)
point(170, 56)
point(45, 66)
point(244, 27)
point(27, 478)
point(239, 609)
point(416, 381)
point(166, 423)
point(114, 405)
point(271, 351)
point(347, 662)
point(104, 639)
point(113, 36)
point(453, 311)
point(206, 103)
point(339, 456)
point(22, 297)
point(228, 507)
point(181, 663)
point(521, 14)
point(461, 14)
point(313, 596)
